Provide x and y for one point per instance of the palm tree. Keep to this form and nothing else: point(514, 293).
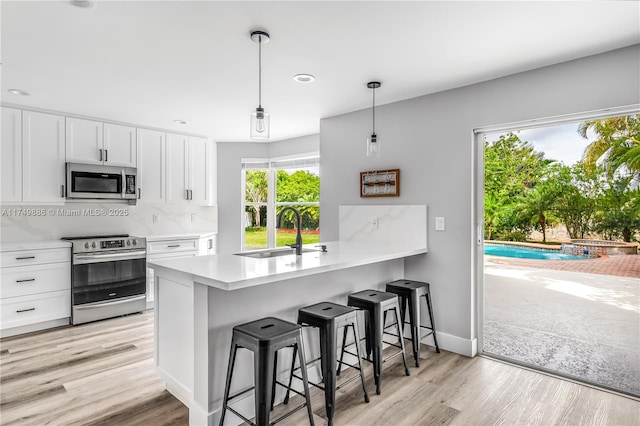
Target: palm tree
point(617, 144)
point(536, 206)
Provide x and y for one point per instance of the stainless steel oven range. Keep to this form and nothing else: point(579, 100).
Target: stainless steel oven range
point(108, 277)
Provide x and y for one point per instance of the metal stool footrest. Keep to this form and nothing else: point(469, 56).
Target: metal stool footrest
point(284, 416)
point(393, 355)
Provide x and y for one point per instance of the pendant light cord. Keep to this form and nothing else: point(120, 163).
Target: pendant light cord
point(373, 111)
point(259, 71)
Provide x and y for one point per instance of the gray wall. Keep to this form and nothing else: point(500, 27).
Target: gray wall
point(230, 192)
point(430, 139)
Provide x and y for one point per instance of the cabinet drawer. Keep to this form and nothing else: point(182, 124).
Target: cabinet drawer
point(24, 280)
point(172, 246)
point(31, 257)
point(25, 310)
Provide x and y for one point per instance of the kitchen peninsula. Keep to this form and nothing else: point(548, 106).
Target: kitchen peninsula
point(200, 299)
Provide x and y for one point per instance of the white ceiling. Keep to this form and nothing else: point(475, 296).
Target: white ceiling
point(150, 62)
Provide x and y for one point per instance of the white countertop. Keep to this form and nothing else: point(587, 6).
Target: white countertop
point(34, 245)
point(185, 236)
point(231, 272)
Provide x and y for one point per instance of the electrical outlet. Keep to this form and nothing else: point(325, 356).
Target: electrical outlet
point(193, 217)
point(156, 218)
point(374, 223)
point(439, 223)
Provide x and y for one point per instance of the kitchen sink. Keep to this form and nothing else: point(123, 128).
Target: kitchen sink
point(267, 253)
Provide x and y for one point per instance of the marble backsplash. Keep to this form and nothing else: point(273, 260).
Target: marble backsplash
point(395, 224)
point(40, 223)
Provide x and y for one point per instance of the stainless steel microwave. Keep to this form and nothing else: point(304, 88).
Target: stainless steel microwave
point(98, 182)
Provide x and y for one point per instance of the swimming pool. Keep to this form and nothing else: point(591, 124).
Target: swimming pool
point(527, 253)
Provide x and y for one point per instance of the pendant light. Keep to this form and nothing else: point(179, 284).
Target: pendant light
point(259, 118)
point(373, 144)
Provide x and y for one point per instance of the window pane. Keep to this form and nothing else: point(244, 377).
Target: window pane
point(255, 230)
point(310, 216)
point(298, 185)
point(255, 186)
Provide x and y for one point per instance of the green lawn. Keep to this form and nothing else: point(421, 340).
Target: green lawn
point(257, 238)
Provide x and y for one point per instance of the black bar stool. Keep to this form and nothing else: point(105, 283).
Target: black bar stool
point(375, 304)
point(410, 293)
point(265, 337)
point(328, 318)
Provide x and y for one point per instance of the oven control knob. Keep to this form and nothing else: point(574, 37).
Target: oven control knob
point(128, 242)
point(135, 242)
point(86, 245)
point(93, 244)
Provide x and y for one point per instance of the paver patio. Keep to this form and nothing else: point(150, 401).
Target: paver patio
point(621, 266)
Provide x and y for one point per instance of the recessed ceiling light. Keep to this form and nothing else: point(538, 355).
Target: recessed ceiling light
point(19, 92)
point(179, 121)
point(304, 78)
point(85, 4)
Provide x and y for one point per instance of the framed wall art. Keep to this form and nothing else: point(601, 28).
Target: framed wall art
point(380, 183)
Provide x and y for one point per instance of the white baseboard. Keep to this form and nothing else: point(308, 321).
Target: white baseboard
point(33, 327)
point(451, 343)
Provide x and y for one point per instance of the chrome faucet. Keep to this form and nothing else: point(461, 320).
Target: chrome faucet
point(298, 244)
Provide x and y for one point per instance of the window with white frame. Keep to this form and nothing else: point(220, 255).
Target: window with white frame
point(269, 185)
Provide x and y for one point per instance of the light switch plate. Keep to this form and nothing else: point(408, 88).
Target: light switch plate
point(440, 223)
point(156, 218)
point(374, 223)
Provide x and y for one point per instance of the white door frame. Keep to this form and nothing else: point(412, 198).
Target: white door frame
point(477, 205)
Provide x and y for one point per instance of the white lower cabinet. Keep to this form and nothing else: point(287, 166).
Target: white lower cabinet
point(175, 247)
point(33, 309)
point(35, 289)
point(167, 249)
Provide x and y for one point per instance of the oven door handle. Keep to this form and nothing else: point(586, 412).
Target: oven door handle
point(96, 258)
point(110, 303)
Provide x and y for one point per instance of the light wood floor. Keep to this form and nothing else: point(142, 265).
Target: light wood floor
point(102, 374)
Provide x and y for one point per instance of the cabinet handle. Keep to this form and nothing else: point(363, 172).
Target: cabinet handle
point(173, 246)
point(139, 193)
point(100, 155)
point(26, 280)
point(106, 155)
point(186, 192)
point(25, 310)
point(210, 244)
point(25, 257)
point(62, 191)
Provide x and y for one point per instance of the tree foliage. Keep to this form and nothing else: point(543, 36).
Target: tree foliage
point(617, 144)
point(525, 191)
point(256, 192)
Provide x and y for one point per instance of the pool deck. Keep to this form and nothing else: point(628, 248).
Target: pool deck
point(620, 265)
point(553, 247)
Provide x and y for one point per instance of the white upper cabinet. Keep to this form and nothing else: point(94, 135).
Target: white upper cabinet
point(11, 156)
point(151, 166)
point(120, 145)
point(84, 141)
point(200, 165)
point(188, 170)
point(43, 158)
point(177, 165)
point(93, 142)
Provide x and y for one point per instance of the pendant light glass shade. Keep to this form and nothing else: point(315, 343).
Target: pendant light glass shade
point(373, 144)
point(259, 118)
point(259, 124)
